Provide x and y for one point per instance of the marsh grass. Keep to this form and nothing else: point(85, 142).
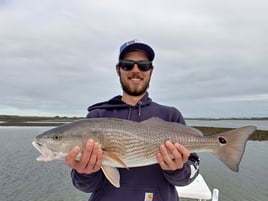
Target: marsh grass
point(259, 135)
point(6, 120)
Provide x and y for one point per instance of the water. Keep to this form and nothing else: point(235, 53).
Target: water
point(23, 178)
point(250, 184)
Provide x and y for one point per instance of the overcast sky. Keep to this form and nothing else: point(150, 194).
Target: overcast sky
point(57, 57)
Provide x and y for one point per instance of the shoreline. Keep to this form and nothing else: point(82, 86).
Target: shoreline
point(32, 121)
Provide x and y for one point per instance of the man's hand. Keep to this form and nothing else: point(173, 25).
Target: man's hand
point(90, 161)
point(180, 153)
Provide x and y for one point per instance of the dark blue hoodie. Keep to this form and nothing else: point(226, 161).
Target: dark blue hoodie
point(149, 183)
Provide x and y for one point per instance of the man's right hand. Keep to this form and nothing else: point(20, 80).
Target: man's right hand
point(90, 160)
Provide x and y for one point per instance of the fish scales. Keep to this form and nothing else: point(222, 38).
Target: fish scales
point(141, 141)
point(132, 143)
point(115, 137)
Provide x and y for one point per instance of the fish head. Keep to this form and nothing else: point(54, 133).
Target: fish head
point(55, 145)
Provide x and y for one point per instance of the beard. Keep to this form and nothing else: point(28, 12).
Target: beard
point(134, 91)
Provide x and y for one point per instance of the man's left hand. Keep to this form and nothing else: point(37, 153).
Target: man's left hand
point(172, 156)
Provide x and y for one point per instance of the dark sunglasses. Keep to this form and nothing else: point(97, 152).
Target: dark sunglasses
point(128, 65)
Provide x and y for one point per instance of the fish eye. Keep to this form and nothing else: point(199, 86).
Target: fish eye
point(222, 140)
point(56, 137)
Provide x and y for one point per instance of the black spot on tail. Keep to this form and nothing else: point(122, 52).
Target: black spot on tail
point(222, 140)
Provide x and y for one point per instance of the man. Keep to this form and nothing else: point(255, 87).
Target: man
point(154, 182)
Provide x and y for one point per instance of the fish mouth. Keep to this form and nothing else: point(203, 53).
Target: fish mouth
point(47, 154)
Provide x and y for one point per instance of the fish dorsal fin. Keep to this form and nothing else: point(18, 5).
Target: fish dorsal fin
point(175, 127)
point(113, 158)
point(158, 122)
point(112, 174)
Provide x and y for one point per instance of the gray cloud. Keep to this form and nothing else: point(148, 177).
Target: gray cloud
point(58, 57)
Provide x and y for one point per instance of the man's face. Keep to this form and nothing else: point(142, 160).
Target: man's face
point(134, 82)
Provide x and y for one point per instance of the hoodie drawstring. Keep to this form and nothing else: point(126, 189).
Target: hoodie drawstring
point(129, 113)
point(139, 110)
point(140, 103)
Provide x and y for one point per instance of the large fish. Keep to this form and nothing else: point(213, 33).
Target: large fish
point(128, 144)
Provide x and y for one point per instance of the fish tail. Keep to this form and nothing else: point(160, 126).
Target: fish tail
point(231, 146)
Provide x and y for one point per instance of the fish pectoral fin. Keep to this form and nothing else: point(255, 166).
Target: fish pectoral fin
point(111, 156)
point(112, 174)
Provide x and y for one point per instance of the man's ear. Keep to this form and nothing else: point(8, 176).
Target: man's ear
point(152, 69)
point(117, 70)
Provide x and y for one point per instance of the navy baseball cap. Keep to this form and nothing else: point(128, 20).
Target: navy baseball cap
point(136, 45)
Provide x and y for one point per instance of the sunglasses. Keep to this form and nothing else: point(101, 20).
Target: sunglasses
point(128, 65)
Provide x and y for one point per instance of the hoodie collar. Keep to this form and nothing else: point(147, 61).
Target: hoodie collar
point(116, 103)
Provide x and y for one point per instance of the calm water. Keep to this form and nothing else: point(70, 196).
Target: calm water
point(23, 178)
